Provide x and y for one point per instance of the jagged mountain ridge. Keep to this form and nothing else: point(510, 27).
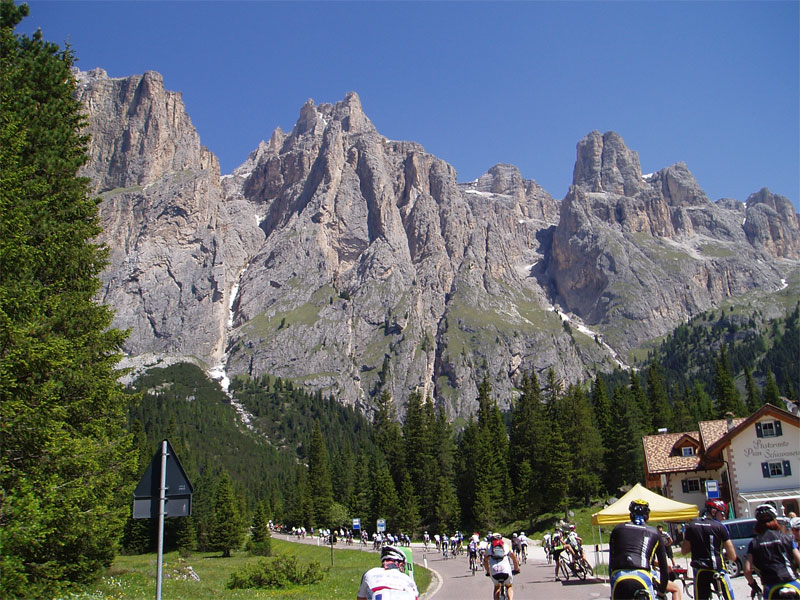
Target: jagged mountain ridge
point(346, 261)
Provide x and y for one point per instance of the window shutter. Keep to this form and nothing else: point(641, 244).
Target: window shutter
point(787, 470)
point(778, 431)
point(765, 469)
point(758, 430)
point(685, 486)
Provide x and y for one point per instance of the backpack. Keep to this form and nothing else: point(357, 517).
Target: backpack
point(498, 550)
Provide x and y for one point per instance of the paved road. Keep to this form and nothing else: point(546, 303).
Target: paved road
point(454, 581)
point(536, 581)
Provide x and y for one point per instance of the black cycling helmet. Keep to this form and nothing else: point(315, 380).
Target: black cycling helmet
point(766, 513)
point(639, 508)
point(392, 553)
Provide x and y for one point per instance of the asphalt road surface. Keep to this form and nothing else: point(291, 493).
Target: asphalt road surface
point(453, 579)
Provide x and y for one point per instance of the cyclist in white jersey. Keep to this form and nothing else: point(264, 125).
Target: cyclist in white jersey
point(388, 582)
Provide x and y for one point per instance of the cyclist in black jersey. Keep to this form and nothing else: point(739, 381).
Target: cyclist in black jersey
point(772, 553)
point(633, 546)
point(706, 538)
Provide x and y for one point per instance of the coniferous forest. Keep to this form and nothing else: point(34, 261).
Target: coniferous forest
point(306, 460)
point(75, 441)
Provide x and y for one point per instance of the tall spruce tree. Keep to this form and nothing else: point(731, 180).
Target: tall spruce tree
point(319, 479)
point(67, 467)
point(725, 392)
point(660, 408)
point(227, 530)
point(587, 447)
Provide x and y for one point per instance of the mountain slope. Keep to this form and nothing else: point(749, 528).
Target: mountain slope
point(347, 262)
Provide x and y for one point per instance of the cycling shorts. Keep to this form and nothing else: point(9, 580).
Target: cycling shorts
point(625, 583)
point(704, 580)
point(771, 591)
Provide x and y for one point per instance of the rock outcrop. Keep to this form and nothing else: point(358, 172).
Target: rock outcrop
point(350, 263)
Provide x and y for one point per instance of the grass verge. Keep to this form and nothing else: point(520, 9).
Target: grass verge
point(134, 577)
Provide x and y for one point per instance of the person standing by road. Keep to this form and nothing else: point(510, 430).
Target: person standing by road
point(666, 541)
point(706, 538)
point(389, 581)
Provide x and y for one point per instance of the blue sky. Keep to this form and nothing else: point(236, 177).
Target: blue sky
point(711, 84)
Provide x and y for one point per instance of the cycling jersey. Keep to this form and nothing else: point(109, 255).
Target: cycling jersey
point(500, 569)
point(633, 548)
point(387, 584)
point(772, 556)
point(707, 537)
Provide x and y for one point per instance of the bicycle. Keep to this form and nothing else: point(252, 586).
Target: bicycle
point(717, 586)
point(681, 575)
point(473, 563)
point(784, 591)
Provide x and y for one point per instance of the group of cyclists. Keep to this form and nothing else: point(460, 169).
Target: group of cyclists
point(641, 566)
point(565, 538)
point(637, 549)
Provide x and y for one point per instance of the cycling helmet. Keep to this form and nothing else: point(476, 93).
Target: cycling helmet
point(392, 553)
point(766, 513)
point(716, 504)
point(795, 523)
point(572, 527)
point(513, 535)
point(639, 508)
point(497, 536)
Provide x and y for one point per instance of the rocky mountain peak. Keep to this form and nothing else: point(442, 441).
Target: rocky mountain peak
point(604, 164)
point(351, 264)
point(678, 186)
point(500, 179)
point(772, 224)
point(139, 131)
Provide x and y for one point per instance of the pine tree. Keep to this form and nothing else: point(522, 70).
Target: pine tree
point(602, 409)
point(66, 468)
point(389, 437)
point(771, 393)
point(521, 437)
point(753, 397)
point(185, 536)
point(319, 480)
point(725, 392)
point(587, 453)
point(226, 532)
point(660, 408)
point(408, 519)
point(385, 501)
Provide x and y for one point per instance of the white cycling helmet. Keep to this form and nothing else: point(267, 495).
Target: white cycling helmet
point(392, 553)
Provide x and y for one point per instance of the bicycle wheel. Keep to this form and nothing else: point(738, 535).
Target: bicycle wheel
point(587, 566)
point(688, 588)
point(580, 571)
point(564, 570)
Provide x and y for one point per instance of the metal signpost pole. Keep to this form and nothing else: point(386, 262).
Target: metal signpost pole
point(162, 500)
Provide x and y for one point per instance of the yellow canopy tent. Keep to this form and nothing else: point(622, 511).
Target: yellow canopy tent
point(661, 508)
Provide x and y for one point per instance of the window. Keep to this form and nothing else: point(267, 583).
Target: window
point(769, 429)
point(690, 485)
point(687, 451)
point(780, 468)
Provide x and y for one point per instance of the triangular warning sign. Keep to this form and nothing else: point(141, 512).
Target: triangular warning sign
point(178, 487)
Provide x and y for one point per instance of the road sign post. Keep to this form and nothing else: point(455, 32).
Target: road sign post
point(171, 483)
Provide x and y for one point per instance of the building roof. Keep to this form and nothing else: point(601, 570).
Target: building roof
point(713, 431)
point(738, 425)
point(660, 455)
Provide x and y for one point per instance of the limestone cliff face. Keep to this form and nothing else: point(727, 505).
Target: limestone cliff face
point(639, 255)
point(350, 263)
point(173, 236)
